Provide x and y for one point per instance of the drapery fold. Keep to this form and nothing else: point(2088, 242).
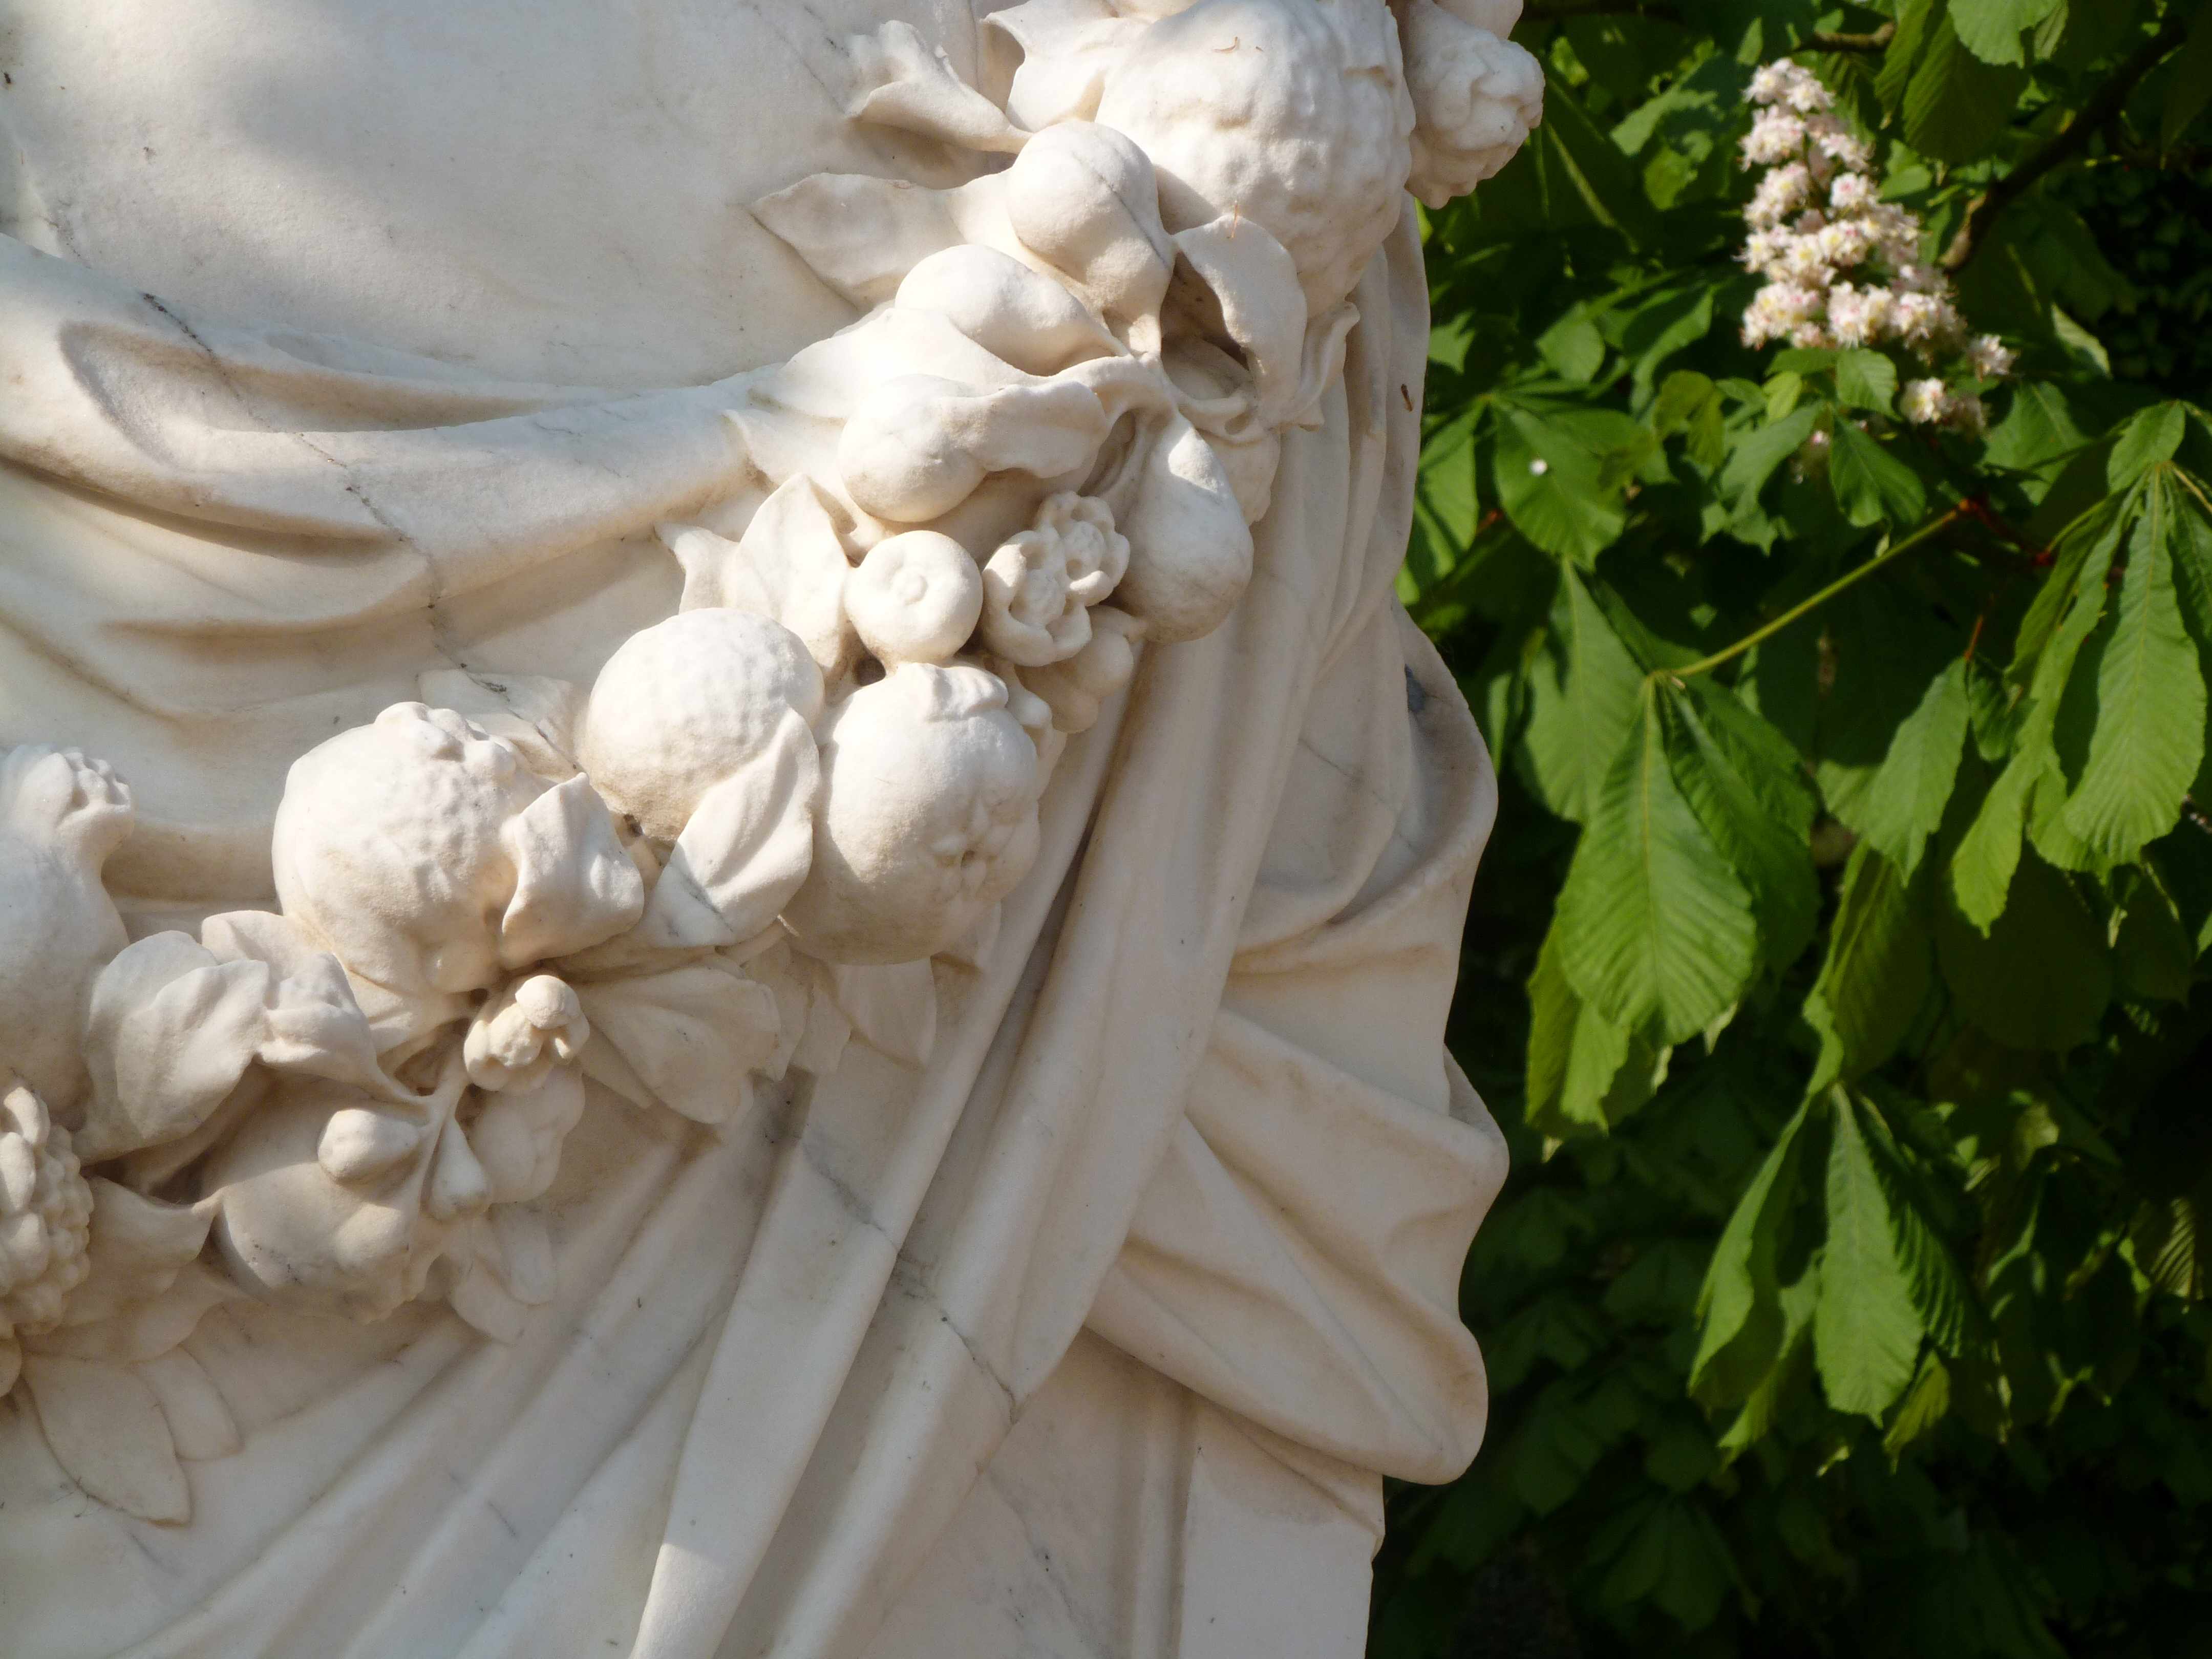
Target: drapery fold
point(1213, 1014)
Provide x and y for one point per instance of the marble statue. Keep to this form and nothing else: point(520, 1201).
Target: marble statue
point(728, 887)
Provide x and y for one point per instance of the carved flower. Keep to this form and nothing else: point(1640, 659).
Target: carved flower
point(1475, 99)
point(1039, 586)
point(45, 1216)
point(1076, 690)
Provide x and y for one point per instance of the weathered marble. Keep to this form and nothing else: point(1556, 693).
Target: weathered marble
point(727, 889)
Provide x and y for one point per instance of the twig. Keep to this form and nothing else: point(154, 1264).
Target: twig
point(2104, 105)
point(1934, 526)
point(1828, 40)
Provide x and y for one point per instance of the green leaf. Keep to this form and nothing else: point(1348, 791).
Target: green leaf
point(1656, 930)
point(1956, 106)
point(2190, 88)
point(1585, 692)
point(1926, 1404)
point(1865, 380)
point(1915, 24)
point(1585, 1074)
point(2042, 977)
point(1739, 1314)
point(1573, 346)
point(1866, 1331)
point(1682, 396)
point(1990, 29)
point(1904, 803)
point(2150, 736)
point(1554, 489)
point(1931, 1275)
point(2058, 623)
point(1755, 457)
point(2149, 437)
point(1982, 863)
point(1871, 484)
point(1879, 965)
point(1746, 784)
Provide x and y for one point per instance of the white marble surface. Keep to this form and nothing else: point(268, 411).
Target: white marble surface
point(726, 891)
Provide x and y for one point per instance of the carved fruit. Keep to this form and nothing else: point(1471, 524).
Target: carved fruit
point(61, 815)
point(928, 816)
point(914, 598)
point(1190, 550)
point(46, 1216)
point(1011, 312)
point(427, 858)
point(1291, 113)
point(290, 1231)
point(685, 704)
point(1475, 96)
point(1082, 197)
point(919, 446)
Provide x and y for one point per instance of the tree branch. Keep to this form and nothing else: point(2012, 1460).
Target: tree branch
point(1824, 40)
point(2104, 107)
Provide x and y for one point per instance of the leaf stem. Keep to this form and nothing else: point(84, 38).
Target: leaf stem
point(1849, 579)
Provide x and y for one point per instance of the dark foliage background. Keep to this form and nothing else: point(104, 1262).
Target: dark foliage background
point(1848, 1292)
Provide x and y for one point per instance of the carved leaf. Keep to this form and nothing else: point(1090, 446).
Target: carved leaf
point(790, 566)
point(200, 1423)
point(138, 1247)
point(892, 1009)
point(900, 80)
point(480, 1299)
point(145, 1329)
point(1067, 46)
point(860, 235)
point(107, 1430)
point(746, 849)
point(170, 1032)
point(574, 885)
point(685, 1039)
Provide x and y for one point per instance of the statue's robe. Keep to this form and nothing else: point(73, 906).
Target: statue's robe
point(342, 341)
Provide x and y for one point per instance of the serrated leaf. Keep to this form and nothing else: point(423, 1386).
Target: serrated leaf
point(1583, 691)
point(1982, 865)
point(1866, 1330)
point(1656, 930)
point(1585, 1073)
point(2059, 622)
point(1871, 484)
point(1746, 784)
point(2149, 735)
point(1880, 960)
point(1926, 1404)
point(1956, 107)
point(2042, 977)
point(1902, 805)
point(1865, 380)
point(2149, 437)
point(1932, 1276)
point(1990, 29)
point(1739, 1315)
point(1554, 489)
point(1755, 457)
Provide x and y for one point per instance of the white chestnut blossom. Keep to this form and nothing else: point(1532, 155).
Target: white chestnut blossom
point(1842, 267)
point(1988, 356)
